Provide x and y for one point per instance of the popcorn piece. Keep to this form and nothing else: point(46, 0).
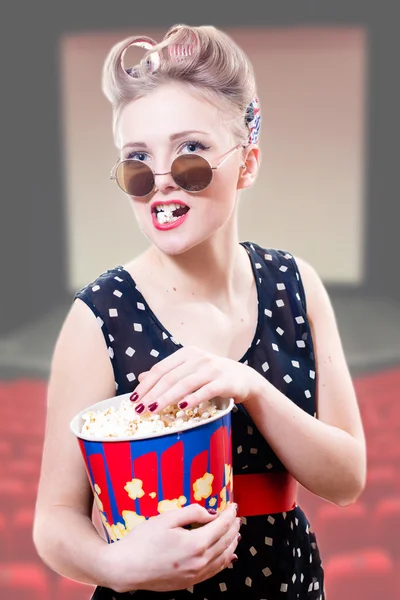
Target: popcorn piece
point(223, 494)
point(134, 488)
point(132, 519)
point(165, 505)
point(202, 487)
point(125, 422)
point(118, 530)
point(99, 503)
point(223, 502)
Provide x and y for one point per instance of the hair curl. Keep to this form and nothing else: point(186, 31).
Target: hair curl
point(203, 58)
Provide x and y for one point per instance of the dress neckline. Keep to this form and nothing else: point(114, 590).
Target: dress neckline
point(257, 334)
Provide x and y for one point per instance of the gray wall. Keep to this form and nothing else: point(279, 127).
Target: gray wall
point(32, 248)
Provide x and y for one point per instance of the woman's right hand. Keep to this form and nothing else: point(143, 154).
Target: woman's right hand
point(161, 555)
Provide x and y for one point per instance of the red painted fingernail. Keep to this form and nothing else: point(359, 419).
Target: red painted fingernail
point(234, 558)
point(182, 404)
point(134, 397)
point(153, 406)
point(212, 511)
point(139, 408)
point(239, 537)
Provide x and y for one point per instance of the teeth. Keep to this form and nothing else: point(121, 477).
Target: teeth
point(163, 217)
point(167, 207)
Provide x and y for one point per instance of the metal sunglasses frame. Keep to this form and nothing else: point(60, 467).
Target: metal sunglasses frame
point(224, 157)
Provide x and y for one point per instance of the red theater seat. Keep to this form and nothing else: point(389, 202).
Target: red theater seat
point(342, 529)
point(386, 523)
point(13, 494)
point(20, 536)
point(25, 469)
point(32, 448)
point(19, 581)
point(382, 482)
point(4, 549)
point(383, 444)
point(5, 450)
point(68, 588)
point(364, 575)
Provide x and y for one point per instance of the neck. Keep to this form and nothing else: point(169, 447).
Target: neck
point(212, 271)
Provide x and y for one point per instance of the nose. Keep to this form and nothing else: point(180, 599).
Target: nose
point(164, 182)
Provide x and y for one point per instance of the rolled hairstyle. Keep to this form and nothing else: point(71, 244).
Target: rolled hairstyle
point(204, 58)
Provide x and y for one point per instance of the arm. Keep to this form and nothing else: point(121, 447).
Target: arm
point(81, 374)
point(326, 455)
point(65, 538)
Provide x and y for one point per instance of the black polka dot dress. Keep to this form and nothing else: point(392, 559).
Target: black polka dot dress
point(278, 553)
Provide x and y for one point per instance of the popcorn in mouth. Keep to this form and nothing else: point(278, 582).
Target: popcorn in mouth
point(168, 213)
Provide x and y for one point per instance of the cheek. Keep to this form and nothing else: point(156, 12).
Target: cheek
point(140, 205)
point(225, 187)
point(229, 175)
point(220, 206)
point(139, 211)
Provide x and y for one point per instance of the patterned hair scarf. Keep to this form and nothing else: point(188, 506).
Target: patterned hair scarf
point(253, 113)
point(253, 120)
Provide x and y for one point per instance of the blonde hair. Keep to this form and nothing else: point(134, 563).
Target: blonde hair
point(203, 58)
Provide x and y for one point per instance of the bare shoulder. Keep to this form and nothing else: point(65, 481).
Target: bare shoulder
point(80, 363)
point(319, 305)
point(320, 312)
point(80, 346)
point(305, 268)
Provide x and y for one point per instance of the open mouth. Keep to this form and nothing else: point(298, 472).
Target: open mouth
point(168, 213)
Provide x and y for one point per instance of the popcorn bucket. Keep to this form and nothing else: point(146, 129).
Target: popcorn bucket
point(134, 479)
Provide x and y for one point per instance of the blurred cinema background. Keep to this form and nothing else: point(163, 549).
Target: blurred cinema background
point(327, 191)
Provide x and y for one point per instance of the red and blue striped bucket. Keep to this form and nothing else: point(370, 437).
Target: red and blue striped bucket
point(134, 479)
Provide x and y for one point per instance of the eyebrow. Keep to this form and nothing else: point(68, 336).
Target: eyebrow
point(173, 138)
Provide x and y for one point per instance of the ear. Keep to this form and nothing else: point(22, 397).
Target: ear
point(249, 168)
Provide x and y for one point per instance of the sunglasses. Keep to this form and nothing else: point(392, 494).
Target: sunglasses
point(191, 172)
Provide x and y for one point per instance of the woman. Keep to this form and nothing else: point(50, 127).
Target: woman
point(199, 314)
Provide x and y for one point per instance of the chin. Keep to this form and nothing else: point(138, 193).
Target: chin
point(176, 242)
point(174, 247)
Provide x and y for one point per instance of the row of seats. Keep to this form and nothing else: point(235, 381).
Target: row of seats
point(355, 527)
point(21, 580)
point(338, 529)
point(358, 543)
point(16, 493)
point(368, 574)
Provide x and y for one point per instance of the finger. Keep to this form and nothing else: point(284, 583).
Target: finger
point(175, 386)
point(229, 540)
point(142, 375)
point(188, 515)
point(230, 553)
point(207, 392)
point(219, 562)
point(159, 370)
point(214, 530)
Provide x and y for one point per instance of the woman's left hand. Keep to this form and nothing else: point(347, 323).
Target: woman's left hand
point(191, 376)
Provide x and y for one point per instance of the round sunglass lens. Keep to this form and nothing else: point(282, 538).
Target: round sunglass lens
point(191, 172)
point(135, 178)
